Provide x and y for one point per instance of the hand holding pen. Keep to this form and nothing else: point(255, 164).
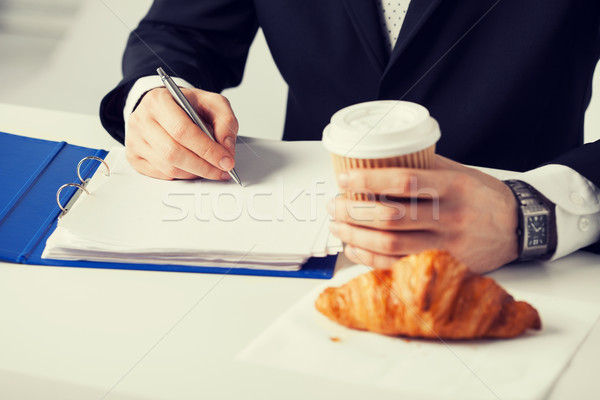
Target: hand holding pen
point(163, 142)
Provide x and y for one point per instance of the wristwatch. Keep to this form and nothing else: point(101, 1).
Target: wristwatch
point(536, 231)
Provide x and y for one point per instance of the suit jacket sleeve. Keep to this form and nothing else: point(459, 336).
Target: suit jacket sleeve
point(204, 42)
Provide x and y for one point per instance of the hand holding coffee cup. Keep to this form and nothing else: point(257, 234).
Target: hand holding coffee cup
point(384, 152)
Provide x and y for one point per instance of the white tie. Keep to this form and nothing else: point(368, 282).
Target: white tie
point(392, 14)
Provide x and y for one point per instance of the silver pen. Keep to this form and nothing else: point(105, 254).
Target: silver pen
point(187, 107)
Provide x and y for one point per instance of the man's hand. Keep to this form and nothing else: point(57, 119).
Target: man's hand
point(163, 142)
point(452, 207)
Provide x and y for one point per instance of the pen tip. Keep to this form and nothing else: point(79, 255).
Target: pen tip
point(235, 177)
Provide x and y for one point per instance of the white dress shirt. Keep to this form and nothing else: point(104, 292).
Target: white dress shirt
point(577, 199)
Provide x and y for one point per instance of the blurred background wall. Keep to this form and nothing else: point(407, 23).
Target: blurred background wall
point(66, 54)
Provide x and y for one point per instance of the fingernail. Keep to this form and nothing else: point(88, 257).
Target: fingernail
point(334, 227)
point(355, 253)
point(225, 176)
point(343, 180)
point(230, 144)
point(226, 163)
point(350, 252)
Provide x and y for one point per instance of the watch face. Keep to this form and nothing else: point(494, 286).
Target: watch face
point(536, 230)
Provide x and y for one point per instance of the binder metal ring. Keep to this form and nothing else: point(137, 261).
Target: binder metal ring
point(91, 158)
point(77, 185)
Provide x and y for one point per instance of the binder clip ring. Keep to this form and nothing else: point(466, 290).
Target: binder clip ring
point(91, 158)
point(77, 185)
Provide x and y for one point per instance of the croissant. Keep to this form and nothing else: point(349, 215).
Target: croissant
point(428, 295)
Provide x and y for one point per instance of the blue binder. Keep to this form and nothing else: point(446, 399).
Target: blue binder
point(32, 170)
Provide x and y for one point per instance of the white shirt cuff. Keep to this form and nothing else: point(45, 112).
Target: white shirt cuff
point(577, 205)
point(141, 87)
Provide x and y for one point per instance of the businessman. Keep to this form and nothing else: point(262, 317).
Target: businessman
point(509, 82)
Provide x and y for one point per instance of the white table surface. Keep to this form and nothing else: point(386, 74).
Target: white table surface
point(76, 333)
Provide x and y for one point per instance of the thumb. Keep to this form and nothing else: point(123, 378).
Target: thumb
point(441, 162)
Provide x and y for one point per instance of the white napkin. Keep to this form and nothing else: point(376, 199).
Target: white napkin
point(522, 368)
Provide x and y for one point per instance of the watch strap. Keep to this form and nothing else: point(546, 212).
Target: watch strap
point(532, 204)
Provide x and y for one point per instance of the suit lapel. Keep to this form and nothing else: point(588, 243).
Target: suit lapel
point(366, 20)
point(418, 13)
point(456, 20)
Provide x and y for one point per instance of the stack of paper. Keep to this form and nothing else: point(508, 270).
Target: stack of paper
point(276, 221)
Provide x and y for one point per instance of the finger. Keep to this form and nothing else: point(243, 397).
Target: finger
point(368, 258)
point(147, 140)
point(384, 242)
point(147, 162)
point(398, 182)
point(180, 127)
point(145, 168)
point(216, 110)
point(173, 159)
point(398, 216)
point(137, 149)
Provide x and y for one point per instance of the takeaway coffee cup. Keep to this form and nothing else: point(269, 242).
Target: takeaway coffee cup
point(381, 134)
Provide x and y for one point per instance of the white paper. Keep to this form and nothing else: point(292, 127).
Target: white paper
point(278, 219)
point(521, 368)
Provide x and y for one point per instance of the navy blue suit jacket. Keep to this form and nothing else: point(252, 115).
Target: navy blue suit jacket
point(509, 81)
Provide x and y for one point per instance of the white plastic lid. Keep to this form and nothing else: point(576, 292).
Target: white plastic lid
point(380, 129)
